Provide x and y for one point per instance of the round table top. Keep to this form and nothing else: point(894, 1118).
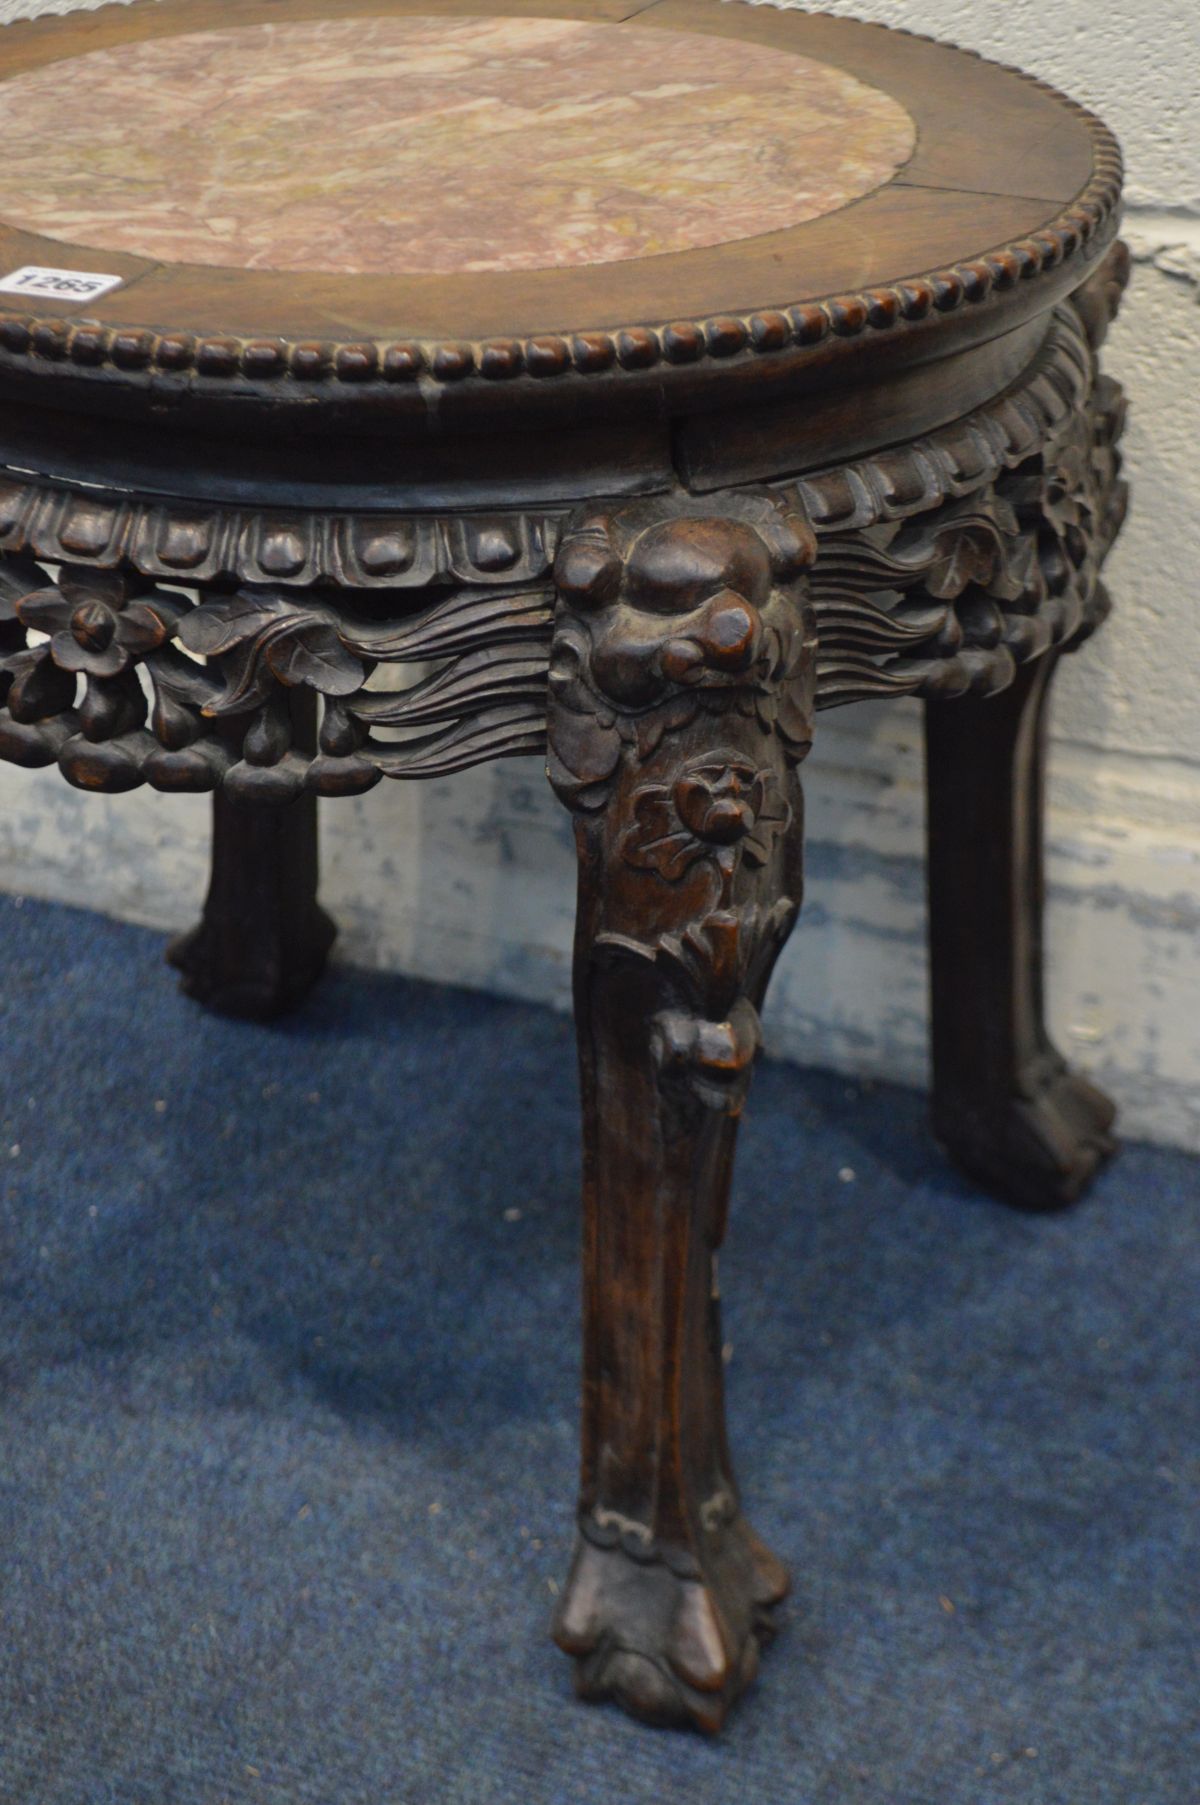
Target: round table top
point(362, 193)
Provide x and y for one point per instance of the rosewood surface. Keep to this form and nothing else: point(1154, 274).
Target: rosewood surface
point(278, 534)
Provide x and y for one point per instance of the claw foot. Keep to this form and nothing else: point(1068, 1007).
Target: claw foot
point(668, 1642)
point(1039, 1149)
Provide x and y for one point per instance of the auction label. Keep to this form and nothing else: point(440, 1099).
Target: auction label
point(59, 284)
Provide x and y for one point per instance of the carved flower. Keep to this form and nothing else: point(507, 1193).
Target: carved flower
point(721, 808)
point(94, 627)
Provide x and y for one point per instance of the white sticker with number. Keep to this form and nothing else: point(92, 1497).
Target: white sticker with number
point(59, 284)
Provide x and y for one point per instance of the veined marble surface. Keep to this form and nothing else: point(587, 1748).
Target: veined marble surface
point(423, 144)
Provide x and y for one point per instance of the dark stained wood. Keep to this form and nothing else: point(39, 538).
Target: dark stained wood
point(756, 442)
point(667, 511)
point(693, 631)
point(1005, 1105)
point(322, 465)
point(263, 939)
point(946, 564)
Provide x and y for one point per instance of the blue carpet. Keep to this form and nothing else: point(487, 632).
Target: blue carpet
point(288, 1372)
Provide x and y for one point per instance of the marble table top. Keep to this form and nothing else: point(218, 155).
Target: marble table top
point(397, 146)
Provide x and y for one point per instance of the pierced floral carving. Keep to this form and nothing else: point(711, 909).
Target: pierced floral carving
point(95, 627)
point(214, 711)
point(932, 569)
point(950, 603)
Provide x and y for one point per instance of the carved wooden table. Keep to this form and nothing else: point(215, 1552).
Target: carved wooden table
point(717, 365)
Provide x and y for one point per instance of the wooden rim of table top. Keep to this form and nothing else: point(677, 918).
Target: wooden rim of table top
point(178, 326)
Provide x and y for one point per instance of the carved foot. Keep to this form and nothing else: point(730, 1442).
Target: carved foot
point(671, 1647)
point(1005, 1106)
point(248, 982)
point(1039, 1150)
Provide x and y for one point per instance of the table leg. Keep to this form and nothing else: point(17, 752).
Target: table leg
point(1005, 1105)
point(263, 939)
point(681, 687)
point(670, 1591)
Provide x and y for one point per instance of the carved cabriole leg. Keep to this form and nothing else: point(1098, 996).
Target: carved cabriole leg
point(1005, 1105)
point(681, 699)
point(263, 939)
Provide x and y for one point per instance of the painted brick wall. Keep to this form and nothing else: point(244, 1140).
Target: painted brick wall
point(471, 880)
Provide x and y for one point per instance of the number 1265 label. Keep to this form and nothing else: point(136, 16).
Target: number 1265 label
point(59, 284)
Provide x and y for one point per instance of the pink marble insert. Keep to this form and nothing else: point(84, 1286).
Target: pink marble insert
point(421, 144)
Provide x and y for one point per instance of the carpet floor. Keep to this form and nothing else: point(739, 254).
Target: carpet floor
point(288, 1378)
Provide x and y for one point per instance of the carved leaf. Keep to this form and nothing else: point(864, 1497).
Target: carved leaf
point(247, 682)
point(45, 610)
point(264, 637)
point(151, 621)
point(719, 958)
point(850, 677)
point(964, 557)
point(218, 626)
point(311, 654)
point(1016, 577)
point(19, 577)
point(870, 623)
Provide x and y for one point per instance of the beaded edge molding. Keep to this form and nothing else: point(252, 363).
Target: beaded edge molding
point(1076, 231)
point(182, 542)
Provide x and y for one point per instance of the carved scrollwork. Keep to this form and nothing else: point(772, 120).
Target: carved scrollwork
point(951, 602)
point(123, 683)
